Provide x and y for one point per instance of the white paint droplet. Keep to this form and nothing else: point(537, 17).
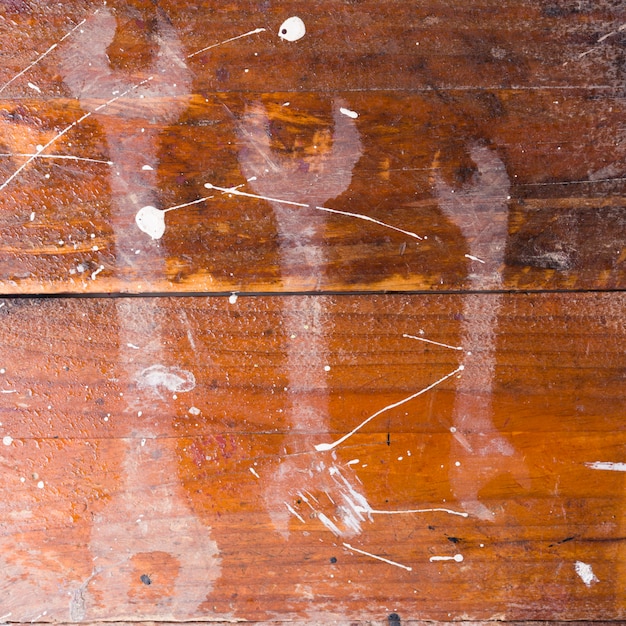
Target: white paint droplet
point(194, 410)
point(151, 221)
point(232, 299)
point(38, 147)
point(147, 168)
point(7, 441)
point(292, 29)
point(40, 484)
point(327, 368)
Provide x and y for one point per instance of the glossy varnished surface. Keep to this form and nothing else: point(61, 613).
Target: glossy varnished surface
point(452, 452)
point(541, 100)
point(175, 438)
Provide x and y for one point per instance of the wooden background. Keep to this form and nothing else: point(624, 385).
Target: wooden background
point(370, 368)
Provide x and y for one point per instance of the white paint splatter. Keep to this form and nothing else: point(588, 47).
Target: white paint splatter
point(232, 299)
point(221, 43)
point(68, 157)
point(95, 273)
point(292, 29)
point(413, 511)
point(235, 192)
point(585, 571)
point(254, 472)
point(194, 410)
point(379, 558)
point(436, 343)
point(607, 466)
point(7, 441)
point(349, 113)
point(294, 512)
point(173, 379)
point(34, 87)
point(147, 168)
point(322, 447)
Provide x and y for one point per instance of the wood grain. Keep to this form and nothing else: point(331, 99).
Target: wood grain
point(539, 101)
point(166, 437)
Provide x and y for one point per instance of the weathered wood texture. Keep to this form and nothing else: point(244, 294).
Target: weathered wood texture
point(494, 130)
point(159, 458)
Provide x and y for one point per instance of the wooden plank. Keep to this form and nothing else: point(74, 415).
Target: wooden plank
point(161, 461)
point(521, 126)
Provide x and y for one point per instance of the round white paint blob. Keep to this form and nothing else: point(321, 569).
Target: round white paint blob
point(292, 29)
point(151, 221)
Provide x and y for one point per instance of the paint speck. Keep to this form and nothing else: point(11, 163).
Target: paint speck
point(147, 168)
point(194, 410)
point(34, 87)
point(349, 113)
point(7, 441)
point(40, 484)
point(151, 221)
point(232, 299)
point(95, 273)
point(254, 472)
point(327, 368)
point(32, 216)
point(400, 458)
point(145, 579)
point(458, 463)
point(585, 571)
point(292, 29)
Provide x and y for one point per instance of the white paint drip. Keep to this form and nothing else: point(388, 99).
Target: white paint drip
point(607, 466)
point(322, 447)
point(173, 379)
point(221, 43)
point(151, 220)
point(69, 127)
point(585, 571)
point(292, 29)
point(436, 343)
point(378, 558)
point(349, 113)
point(236, 192)
point(43, 55)
point(458, 558)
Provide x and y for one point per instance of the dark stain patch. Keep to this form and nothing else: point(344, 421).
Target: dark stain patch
point(394, 619)
point(333, 559)
point(454, 540)
point(566, 540)
point(145, 579)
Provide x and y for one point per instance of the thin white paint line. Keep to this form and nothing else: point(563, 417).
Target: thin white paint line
point(349, 113)
point(411, 511)
point(323, 447)
point(68, 128)
point(254, 472)
point(607, 466)
point(294, 513)
point(379, 558)
point(8, 391)
point(359, 216)
point(56, 156)
point(471, 257)
point(457, 557)
point(353, 462)
point(585, 571)
point(221, 43)
point(133, 346)
point(5, 616)
point(180, 206)
point(43, 55)
point(436, 343)
point(34, 87)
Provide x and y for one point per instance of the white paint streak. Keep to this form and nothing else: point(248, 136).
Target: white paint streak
point(292, 29)
point(254, 472)
point(436, 343)
point(294, 512)
point(221, 43)
point(34, 87)
point(329, 446)
point(412, 511)
point(471, 257)
point(378, 558)
point(607, 466)
point(329, 524)
point(585, 571)
point(69, 157)
point(367, 218)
